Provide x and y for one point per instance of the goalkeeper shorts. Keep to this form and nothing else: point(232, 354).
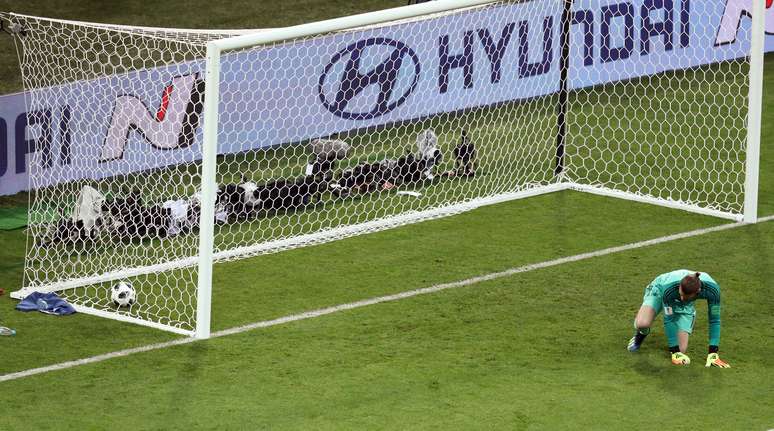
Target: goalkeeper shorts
point(653, 298)
point(676, 322)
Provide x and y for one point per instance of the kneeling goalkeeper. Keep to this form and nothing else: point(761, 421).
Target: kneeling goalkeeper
point(675, 293)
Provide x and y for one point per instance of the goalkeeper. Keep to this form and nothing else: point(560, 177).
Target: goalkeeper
point(675, 293)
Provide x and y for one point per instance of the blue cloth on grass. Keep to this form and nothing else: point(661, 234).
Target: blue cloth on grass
point(48, 303)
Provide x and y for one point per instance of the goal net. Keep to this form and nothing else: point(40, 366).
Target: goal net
point(153, 152)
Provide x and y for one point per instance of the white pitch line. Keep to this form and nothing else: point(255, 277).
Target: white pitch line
point(377, 300)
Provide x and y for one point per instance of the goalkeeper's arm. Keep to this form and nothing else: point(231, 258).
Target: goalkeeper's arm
point(713, 317)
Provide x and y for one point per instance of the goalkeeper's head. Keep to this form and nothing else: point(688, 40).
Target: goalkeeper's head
point(690, 286)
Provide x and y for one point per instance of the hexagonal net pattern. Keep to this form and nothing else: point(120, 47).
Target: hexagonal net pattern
point(331, 135)
point(96, 206)
point(678, 133)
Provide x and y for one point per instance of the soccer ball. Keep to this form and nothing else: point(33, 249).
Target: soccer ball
point(123, 294)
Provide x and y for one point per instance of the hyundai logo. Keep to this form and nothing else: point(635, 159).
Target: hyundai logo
point(369, 78)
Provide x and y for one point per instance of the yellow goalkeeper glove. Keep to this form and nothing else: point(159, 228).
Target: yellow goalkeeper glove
point(713, 360)
point(679, 358)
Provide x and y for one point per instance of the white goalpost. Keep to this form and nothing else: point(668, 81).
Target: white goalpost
point(156, 153)
point(754, 115)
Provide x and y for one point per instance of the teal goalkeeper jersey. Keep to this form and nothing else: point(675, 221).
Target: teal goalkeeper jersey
point(669, 286)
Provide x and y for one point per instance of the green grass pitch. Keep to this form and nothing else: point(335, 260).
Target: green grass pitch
point(540, 350)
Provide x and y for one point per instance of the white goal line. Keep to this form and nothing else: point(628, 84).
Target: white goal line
point(377, 300)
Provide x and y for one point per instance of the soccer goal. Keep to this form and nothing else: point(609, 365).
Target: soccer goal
point(154, 153)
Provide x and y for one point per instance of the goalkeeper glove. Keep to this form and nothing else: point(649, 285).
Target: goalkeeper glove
point(679, 358)
point(713, 360)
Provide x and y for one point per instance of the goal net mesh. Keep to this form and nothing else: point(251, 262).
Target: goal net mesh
point(337, 134)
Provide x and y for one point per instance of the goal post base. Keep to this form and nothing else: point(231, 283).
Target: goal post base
point(129, 319)
point(604, 191)
point(21, 294)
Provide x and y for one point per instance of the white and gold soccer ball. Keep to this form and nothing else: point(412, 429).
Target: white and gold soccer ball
point(122, 294)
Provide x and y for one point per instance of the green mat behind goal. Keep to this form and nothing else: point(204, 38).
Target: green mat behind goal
point(13, 218)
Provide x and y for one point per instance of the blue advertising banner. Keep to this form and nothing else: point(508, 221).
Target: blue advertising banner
point(352, 80)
